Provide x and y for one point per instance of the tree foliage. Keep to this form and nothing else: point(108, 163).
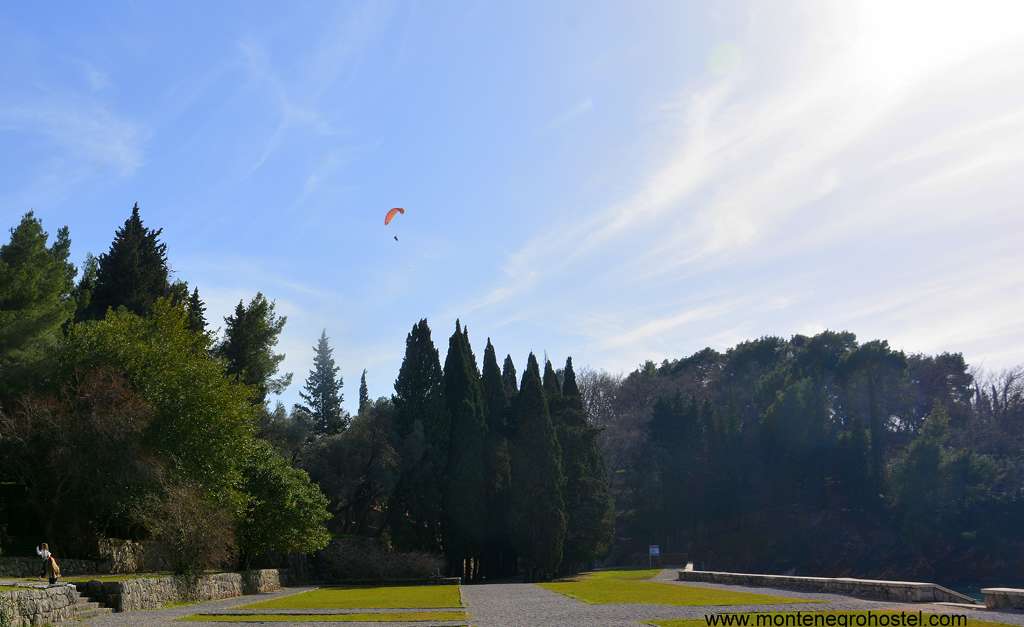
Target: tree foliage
point(284, 511)
point(464, 498)
point(537, 480)
point(322, 393)
point(421, 435)
point(250, 335)
point(133, 273)
point(35, 291)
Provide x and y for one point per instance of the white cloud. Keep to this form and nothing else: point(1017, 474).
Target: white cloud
point(833, 130)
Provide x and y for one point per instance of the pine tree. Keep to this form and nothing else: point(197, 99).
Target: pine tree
point(35, 288)
point(250, 336)
point(196, 310)
point(322, 392)
point(133, 273)
point(538, 507)
point(498, 555)
point(589, 508)
point(364, 394)
point(421, 431)
point(465, 505)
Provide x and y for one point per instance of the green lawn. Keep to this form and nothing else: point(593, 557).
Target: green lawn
point(700, 622)
point(630, 586)
point(368, 597)
point(327, 618)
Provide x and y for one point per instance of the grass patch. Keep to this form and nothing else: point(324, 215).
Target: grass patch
point(630, 587)
point(404, 617)
point(847, 618)
point(369, 597)
point(642, 573)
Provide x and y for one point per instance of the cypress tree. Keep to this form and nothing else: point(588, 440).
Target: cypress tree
point(552, 388)
point(511, 386)
point(589, 508)
point(498, 556)
point(196, 310)
point(133, 273)
point(35, 288)
point(538, 507)
point(421, 430)
point(364, 393)
point(322, 392)
point(250, 336)
point(465, 504)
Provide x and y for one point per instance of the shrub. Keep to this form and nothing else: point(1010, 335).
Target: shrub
point(194, 534)
point(356, 558)
point(285, 512)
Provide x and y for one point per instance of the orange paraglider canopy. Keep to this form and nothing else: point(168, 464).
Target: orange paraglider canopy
point(391, 214)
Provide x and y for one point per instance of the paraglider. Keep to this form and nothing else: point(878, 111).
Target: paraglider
point(391, 216)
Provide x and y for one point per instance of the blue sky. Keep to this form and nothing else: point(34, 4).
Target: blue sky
point(617, 181)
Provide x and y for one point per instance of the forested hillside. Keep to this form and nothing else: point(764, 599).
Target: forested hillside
point(818, 455)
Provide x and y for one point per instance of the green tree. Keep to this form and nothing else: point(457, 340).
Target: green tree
point(538, 507)
point(510, 383)
point(421, 432)
point(588, 503)
point(284, 511)
point(875, 378)
point(250, 336)
point(82, 294)
point(133, 274)
point(498, 553)
point(61, 445)
point(364, 392)
point(465, 505)
point(203, 422)
point(937, 486)
point(357, 470)
point(35, 290)
point(322, 392)
point(196, 310)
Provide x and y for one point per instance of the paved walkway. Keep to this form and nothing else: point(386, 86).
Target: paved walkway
point(527, 605)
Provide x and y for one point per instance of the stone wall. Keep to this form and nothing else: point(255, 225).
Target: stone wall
point(1004, 598)
point(146, 593)
point(33, 567)
point(902, 591)
point(37, 606)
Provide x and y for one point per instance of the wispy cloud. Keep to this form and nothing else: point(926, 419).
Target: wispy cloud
point(297, 98)
point(577, 110)
point(831, 124)
point(91, 134)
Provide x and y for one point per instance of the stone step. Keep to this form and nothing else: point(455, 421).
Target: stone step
point(93, 613)
point(86, 605)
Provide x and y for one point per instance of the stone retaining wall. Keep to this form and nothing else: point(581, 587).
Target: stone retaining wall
point(37, 606)
point(33, 567)
point(1003, 598)
point(901, 591)
point(146, 593)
